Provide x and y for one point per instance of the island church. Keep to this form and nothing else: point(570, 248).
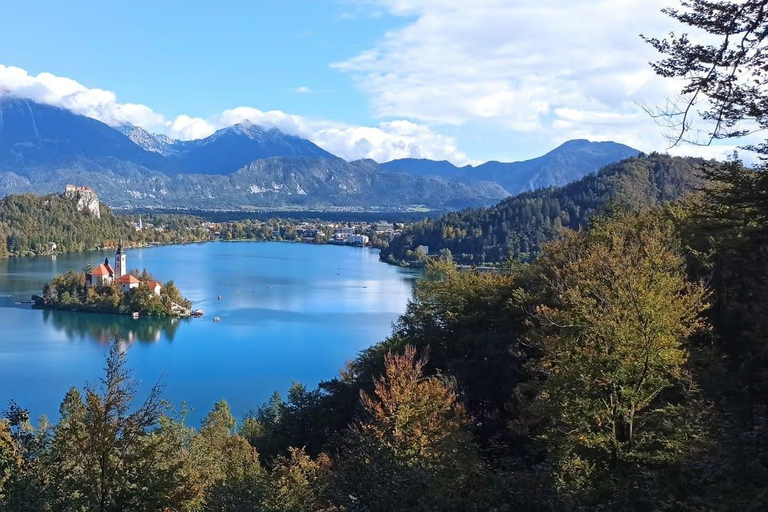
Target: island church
point(105, 275)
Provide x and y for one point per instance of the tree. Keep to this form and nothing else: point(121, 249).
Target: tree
point(23, 472)
point(468, 320)
point(299, 484)
point(613, 340)
point(227, 466)
point(413, 450)
point(106, 452)
point(726, 74)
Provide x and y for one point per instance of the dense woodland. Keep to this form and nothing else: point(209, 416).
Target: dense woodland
point(30, 224)
point(516, 227)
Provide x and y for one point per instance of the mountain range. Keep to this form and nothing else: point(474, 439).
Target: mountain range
point(566, 163)
point(43, 148)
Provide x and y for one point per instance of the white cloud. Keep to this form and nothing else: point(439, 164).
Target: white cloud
point(303, 90)
point(387, 141)
point(67, 93)
point(558, 68)
point(185, 127)
point(391, 140)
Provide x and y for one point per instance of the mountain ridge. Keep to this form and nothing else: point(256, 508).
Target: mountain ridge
point(518, 225)
point(43, 148)
point(567, 162)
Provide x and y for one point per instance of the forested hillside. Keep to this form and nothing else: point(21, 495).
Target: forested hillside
point(517, 226)
point(30, 224)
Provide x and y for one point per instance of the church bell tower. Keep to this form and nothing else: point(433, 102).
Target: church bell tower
point(120, 269)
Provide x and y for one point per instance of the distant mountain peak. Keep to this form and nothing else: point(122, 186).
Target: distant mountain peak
point(153, 142)
point(576, 142)
point(607, 146)
point(246, 125)
point(245, 128)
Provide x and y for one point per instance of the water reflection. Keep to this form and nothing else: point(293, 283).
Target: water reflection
point(103, 328)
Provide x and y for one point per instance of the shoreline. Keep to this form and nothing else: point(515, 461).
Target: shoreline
point(69, 309)
point(159, 244)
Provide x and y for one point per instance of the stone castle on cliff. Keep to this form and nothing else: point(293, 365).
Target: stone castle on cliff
point(86, 199)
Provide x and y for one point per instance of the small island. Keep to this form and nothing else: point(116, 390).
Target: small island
point(107, 289)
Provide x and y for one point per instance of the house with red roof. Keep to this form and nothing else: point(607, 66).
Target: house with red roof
point(128, 282)
point(103, 275)
point(155, 286)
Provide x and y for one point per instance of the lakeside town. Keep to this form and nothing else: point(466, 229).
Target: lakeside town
point(358, 234)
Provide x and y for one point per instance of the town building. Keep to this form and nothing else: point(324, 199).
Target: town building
point(128, 282)
point(155, 286)
point(360, 240)
point(384, 227)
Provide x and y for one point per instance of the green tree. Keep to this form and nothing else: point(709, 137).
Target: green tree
point(722, 63)
point(23, 473)
point(106, 450)
point(613, 340)
point(232, 478)
point(469, 321)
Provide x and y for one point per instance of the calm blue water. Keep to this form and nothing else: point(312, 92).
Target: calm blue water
point(288, 312)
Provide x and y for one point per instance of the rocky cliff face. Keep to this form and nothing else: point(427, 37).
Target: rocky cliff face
point(86, 199)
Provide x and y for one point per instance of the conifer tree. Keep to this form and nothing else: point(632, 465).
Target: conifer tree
point(106, 450)
point(723, 67)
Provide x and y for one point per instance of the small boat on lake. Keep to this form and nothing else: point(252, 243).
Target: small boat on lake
point(217, 319)
point(198, 313)
point(135, 315)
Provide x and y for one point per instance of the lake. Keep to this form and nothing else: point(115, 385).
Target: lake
point(289, 312)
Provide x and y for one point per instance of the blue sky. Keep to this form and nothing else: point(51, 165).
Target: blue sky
point(200, 57)
point(443, 79)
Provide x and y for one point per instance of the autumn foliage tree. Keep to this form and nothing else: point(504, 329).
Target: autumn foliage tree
point(412, 451)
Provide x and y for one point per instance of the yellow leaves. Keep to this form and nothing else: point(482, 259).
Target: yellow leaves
point(297, 481)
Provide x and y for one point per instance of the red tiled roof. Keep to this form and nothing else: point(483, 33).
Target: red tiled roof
point(152, 284)
point(103, 270)
point(128, 279)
